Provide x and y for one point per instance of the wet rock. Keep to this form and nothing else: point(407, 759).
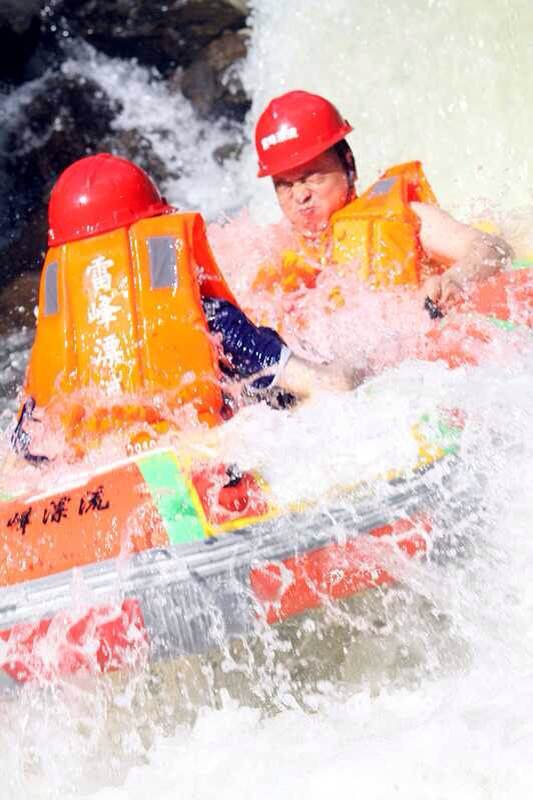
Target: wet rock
point(212, 82)
point(20, 33)
point(17, 302)
point(24, 245)
point(63, 118)
point(18, 15)
point(157, 33)
point(62, 122)
point(228, 152)
point(133, 145)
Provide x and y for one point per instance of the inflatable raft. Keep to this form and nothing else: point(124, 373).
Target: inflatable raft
point(149, 559)
point(145, 561)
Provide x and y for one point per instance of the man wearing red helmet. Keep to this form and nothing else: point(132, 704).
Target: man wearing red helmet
point(394, 233)
point(132, 303)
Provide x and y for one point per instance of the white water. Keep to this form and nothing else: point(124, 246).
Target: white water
point(437, 701)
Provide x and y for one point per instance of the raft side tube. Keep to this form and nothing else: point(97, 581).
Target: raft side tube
point(187, 599)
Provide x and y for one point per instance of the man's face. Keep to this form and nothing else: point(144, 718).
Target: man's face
point(310, 194)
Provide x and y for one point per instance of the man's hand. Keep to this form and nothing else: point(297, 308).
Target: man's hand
point(303, 378)
point(472, 254)
point(442, 290)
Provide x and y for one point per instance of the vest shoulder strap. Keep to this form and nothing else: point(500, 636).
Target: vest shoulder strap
point(416, 184)
point(210, 278)
point(390, 195)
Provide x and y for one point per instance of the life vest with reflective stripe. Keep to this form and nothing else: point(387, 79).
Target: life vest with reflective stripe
point(121, 314)
point(377, 233)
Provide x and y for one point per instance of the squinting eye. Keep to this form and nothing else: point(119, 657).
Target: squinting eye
point(315, 179)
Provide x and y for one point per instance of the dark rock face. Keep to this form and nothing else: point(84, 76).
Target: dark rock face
point(17, 302)
point(61, 121)
point(27, 47)
point(45, 125)
point(211, 82)
point(18, 15)
point(161, 34)
point(133, 145)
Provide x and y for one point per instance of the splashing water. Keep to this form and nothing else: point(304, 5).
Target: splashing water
point(420, 691)
point(436, 80)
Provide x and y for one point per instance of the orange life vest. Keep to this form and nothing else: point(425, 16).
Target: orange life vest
point(377, 233)
point(121, 313)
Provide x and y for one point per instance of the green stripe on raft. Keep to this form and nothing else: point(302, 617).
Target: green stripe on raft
point(503, 324)
point(441, 432)
point(171, 496)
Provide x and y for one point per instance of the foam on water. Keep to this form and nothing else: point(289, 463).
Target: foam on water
point(423, 691)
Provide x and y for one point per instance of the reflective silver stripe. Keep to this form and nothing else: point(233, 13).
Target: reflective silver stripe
point(382, 186)
point(162, 252)
point(51, 303)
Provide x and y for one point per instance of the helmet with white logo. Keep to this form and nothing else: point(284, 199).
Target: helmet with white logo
point(295, 128)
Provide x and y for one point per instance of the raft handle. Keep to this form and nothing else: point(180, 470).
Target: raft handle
point(234, 476)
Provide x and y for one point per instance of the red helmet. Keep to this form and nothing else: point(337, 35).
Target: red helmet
point(294, 128)
point(97, 194)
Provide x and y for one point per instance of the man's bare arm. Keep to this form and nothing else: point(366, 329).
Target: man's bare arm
point(469, 254)
point(302, 378)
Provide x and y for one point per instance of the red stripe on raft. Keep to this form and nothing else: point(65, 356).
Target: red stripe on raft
point(336, 570)
point(507, 296)
point(104, 639)
point(462, 339)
